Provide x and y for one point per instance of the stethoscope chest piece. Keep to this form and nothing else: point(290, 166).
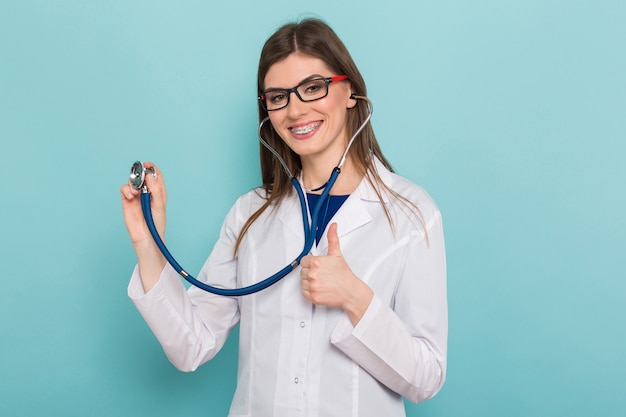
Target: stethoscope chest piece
point(137, 176)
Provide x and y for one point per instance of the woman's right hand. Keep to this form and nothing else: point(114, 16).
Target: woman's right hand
point(131, 204)
point(149, 257)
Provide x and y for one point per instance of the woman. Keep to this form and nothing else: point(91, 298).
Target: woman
point(363, 321)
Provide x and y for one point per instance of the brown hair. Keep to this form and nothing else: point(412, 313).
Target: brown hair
point(315, 38)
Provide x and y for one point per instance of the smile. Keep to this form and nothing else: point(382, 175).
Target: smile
point(306, 129)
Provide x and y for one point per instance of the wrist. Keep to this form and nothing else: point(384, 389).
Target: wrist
point(357, 303)
point(148, 249)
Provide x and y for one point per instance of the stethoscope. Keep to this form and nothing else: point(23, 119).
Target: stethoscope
point(137, 177)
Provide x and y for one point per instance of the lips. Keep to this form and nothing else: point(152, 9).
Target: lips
point(305, 129)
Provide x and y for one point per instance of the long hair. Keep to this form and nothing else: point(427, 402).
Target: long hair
point(314, 38)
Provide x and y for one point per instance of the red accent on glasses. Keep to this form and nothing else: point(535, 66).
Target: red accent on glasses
point(338, 78)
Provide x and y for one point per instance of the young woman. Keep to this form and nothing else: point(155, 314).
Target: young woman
point(362, 322)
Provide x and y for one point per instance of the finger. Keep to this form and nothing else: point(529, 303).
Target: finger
point(154, 182)
point(306, 261)
point(128, 192)
point(152, 178)
point(334, 249)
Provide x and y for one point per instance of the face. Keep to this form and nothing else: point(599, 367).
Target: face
point(315, 129)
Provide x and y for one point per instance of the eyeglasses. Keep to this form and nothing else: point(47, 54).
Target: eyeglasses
point(309, 90)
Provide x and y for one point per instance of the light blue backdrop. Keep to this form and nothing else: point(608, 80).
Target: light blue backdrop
point(512, 114)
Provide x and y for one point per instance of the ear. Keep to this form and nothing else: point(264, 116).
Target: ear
point(351, 96)
point(352, 100)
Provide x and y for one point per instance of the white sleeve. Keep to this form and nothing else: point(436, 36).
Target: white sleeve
point(405, 347)
point(192, 325)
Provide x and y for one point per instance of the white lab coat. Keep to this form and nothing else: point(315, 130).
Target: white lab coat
point(298, 359)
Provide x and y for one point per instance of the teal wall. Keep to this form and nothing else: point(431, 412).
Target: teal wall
point(511, 113)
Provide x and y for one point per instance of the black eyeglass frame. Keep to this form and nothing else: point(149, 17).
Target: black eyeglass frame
point(288, 91)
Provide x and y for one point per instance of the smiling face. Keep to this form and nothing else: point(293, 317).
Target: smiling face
point(314, 130)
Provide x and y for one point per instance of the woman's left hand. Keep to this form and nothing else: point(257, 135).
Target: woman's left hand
point(329, 281)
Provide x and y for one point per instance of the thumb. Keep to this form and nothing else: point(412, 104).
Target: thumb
point(334, 249)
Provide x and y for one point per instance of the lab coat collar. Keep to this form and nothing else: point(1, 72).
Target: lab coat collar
point(352, 215)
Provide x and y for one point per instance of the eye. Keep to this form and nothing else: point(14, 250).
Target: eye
point(275, 97)
point(313, 88)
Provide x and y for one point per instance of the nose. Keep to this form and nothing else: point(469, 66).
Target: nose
point(296, 106)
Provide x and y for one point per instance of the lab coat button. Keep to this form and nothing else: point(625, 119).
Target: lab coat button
point(296, 380)
point(302, 324)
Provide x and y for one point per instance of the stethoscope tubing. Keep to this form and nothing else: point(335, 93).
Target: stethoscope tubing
point(138, 174)
point(309, 233)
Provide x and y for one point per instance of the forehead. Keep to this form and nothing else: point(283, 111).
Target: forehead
point(293, 69)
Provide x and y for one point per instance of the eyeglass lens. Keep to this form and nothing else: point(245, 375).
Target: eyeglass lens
point(306, 91)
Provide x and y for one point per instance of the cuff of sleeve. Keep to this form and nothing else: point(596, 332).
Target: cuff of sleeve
point(135, 287)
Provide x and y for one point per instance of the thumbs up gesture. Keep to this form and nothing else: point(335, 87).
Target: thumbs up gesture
point(329, 281)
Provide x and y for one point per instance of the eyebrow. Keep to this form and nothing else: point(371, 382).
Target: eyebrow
point(309, 78)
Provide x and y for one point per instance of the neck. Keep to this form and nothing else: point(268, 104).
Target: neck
point(315, 175)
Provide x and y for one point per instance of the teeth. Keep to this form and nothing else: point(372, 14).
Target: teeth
point(303, 130)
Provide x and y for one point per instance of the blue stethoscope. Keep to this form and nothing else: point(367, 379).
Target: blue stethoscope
point(137, 180)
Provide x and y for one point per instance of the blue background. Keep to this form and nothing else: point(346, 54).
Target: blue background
point(512, 114)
